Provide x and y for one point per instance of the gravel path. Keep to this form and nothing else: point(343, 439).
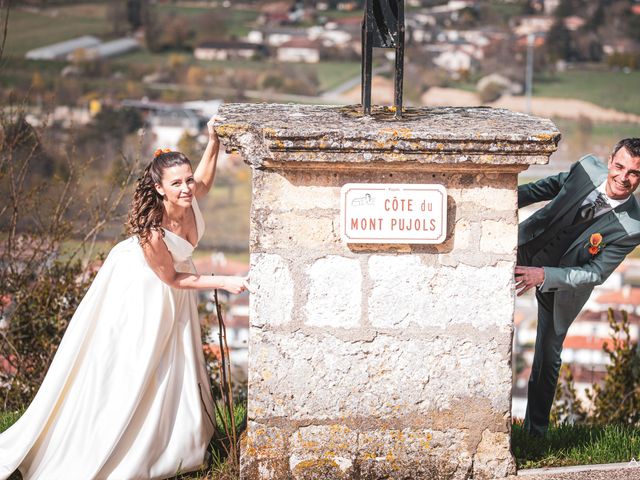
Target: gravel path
point(618, 471)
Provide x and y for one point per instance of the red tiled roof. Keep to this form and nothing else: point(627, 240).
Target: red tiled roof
point(576, 342)
point(276, 7)
point(300, 43)
point(630, 296)
point(602, 316)
point(348, 20)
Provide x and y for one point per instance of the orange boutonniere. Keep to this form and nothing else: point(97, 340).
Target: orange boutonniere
point(595, 244)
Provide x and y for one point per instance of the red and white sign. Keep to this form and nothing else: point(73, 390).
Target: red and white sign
point(393, 213)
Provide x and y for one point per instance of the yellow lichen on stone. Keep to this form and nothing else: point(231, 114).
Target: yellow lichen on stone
point(228, 129)
point(544, 136)
point(307, 468)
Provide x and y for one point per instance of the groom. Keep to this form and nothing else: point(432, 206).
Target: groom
point(591, 223)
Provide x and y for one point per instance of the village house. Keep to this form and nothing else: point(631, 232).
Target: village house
point(531, 24)
point(300, 50)
point(228, 50)
point(455, 60)
point(275, 36)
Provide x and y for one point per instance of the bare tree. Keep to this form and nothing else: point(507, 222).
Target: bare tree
point(48, 232)
point(5, 8)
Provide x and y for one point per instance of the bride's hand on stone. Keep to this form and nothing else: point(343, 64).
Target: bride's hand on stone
point(213, 136)
point(235, 284)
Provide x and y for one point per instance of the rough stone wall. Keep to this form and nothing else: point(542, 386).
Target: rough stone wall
point(378, 361)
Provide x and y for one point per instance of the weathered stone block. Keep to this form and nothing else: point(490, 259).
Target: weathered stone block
point(272, 300)
point(264, 453)
point(385, 378)
point(493, 458)
point(293, 192)
point(498, 237)
point(426, 454)
point(462, 235)
point(405, 291)
point(296, 229)
point(325, 451)
point(335, 293)
point(493, 198)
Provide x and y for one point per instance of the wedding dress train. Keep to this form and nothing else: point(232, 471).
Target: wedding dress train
point(127, 394)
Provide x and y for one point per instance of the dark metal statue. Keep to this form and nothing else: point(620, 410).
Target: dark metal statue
point(382, 27)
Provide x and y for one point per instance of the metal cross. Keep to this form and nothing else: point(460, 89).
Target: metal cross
point(382, 27)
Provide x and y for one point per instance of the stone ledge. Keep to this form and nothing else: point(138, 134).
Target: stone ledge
point(275, 135)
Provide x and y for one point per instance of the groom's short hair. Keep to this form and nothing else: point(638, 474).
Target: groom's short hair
point(631, 144)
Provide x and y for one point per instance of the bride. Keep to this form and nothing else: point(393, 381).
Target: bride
point(127, 394)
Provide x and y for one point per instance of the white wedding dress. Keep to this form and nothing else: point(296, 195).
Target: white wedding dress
point(127, 394)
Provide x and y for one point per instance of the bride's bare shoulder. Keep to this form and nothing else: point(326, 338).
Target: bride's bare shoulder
point(155, 242)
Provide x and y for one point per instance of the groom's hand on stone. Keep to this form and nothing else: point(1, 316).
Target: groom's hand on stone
point(528, 277)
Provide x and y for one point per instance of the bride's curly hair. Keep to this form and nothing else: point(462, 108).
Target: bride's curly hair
point(146, 210)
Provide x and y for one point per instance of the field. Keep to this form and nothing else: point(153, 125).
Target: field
point(606, 88)
point(29, 29)
point(236, 21)
point(610, 89)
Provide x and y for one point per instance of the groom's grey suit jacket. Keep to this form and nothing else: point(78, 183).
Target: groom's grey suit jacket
point(578, 271)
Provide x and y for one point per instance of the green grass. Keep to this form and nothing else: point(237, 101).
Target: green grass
point(332, 74)
point(507, 9)
point(7, 419)
point(237, 21)
point(29, 30)
point(567, 445)
point(609, 89)
point(597, 138)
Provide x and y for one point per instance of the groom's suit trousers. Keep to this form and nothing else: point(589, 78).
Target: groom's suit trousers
point(546, 361)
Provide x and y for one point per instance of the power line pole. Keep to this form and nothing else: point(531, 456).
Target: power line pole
point(529, 77)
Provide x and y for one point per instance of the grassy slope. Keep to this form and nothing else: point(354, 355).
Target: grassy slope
point(610, 89)
point(28, 30)
point(7, 419)
point(575, 445)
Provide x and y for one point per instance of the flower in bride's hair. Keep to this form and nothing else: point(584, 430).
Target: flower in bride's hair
point(160, 151)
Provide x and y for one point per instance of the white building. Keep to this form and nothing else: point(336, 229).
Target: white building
point(275, 37)
point(299, 50)
point(227, 50)
point(107, 49)
point(455, 61)
point(61, 50)
point(168, 126)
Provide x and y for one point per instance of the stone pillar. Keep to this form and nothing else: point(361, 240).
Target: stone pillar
point(374, 360)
